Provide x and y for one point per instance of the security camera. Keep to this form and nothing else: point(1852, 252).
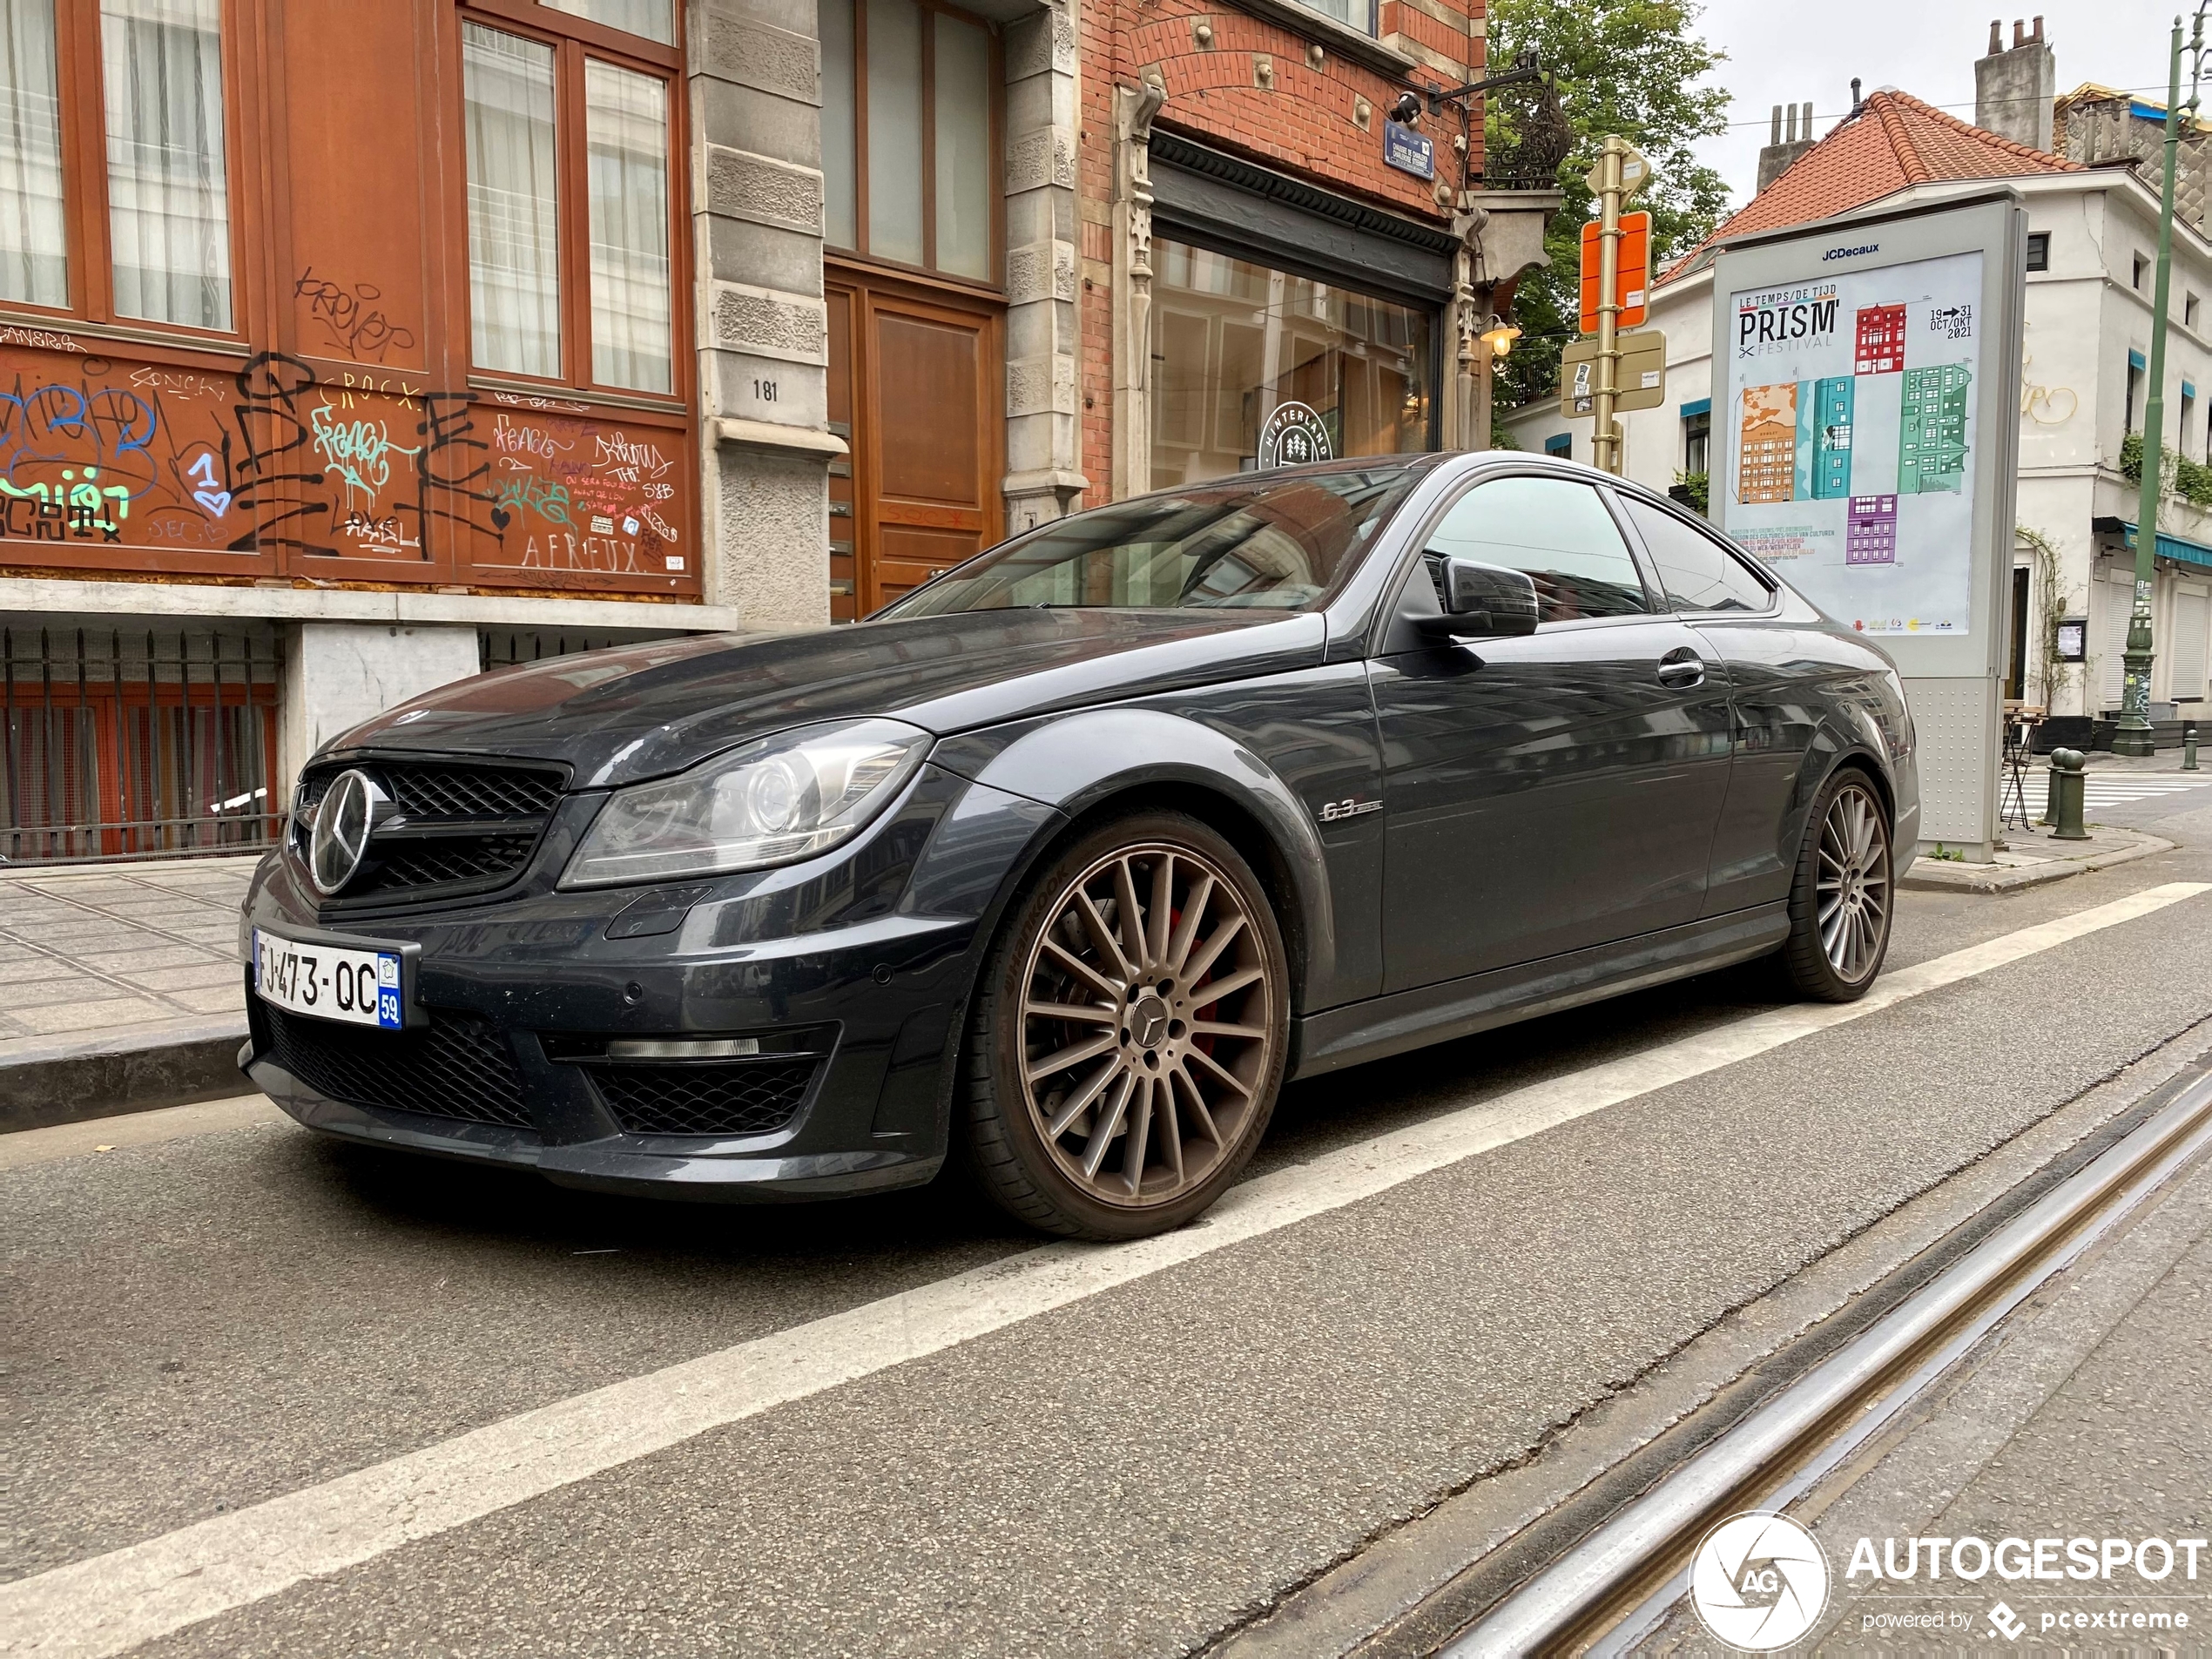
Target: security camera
point(1407, 111)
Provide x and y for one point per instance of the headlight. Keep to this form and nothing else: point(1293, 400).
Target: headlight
point(777, 801)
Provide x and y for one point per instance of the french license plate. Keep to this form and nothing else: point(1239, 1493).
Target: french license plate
point(329, 983)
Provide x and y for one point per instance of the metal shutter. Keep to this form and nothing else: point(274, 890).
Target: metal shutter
point(2192, 621)
point(2112, 644)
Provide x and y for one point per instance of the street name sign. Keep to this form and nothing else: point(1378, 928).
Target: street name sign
point(1408, 150)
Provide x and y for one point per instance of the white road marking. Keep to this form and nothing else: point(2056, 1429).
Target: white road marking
point(2116, 788)
point(109, 1603)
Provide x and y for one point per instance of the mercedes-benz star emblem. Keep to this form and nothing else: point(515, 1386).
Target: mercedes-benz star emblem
point(1151, 1021)
point(343, 824)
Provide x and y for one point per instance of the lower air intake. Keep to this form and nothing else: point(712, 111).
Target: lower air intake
point(459, 1066)
point(752, 1097)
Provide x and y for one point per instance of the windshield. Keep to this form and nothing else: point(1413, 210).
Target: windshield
point(1263, 542)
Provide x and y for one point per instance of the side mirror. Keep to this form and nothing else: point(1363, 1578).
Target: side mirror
point(1482, 602)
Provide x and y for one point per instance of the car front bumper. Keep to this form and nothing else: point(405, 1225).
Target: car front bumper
point(851, 972)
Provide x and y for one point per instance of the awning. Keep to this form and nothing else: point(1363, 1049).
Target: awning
point(2169, 547)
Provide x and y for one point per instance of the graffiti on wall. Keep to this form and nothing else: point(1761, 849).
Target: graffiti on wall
point(366, 466)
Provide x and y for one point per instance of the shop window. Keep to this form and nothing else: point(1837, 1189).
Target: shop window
point(545, 223)
point(162, 253)
point(1239, 350)
point(909, 105)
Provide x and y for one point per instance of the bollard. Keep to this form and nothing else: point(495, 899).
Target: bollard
point(2067, 782)
point(2189, 745)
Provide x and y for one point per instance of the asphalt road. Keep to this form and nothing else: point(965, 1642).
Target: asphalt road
point(197, 1325)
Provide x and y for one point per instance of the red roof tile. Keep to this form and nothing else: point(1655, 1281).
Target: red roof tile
point(1897, 141)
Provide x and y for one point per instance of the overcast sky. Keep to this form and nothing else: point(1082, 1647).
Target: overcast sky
point(1786, 51)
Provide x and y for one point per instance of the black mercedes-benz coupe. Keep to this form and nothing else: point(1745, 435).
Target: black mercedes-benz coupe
point(1064, 862)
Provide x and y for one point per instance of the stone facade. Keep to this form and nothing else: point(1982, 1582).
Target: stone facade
point(1043, 437)
point(762, 323)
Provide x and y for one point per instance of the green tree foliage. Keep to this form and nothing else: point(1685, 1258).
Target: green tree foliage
point(1624, 66)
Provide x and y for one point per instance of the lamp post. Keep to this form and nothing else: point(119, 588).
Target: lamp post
point(2134, 735)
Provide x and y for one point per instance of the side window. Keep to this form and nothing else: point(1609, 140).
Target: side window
point(1697, 573)
point(1558, 531)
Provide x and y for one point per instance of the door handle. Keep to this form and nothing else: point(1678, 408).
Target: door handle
point(1682, 670)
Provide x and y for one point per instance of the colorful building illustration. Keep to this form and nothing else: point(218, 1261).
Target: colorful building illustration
point(1871, 537)
point(1767, 444)
point(1881, 339)
point(1931, 429)
point(1822, 470)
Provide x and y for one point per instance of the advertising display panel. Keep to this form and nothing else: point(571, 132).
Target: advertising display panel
point(1853, 398)
point(1865, 443)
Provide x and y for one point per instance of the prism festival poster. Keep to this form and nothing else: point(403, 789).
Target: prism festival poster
point(1852, 408)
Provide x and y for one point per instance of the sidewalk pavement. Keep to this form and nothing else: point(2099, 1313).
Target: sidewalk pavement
point(120, 986)
point(2029, 858)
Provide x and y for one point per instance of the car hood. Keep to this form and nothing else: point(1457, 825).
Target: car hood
point(640, 712)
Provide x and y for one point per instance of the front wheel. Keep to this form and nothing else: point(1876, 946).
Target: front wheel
point(1840, 897)
point(1128, 1036)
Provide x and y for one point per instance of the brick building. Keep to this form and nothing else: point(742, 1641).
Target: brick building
point(627, 318)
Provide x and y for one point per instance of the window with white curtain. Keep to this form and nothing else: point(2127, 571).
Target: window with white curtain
point(34, 240)
point(626, 129)
point(168, 198)
point(513, 206)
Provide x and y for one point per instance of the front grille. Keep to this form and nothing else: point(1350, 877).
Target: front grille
point(460, 1066)
point(751, 1097)
point(442, 862)
point(468, 792)
point(463, 826)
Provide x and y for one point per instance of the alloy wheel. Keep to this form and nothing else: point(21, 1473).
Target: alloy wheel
point(1148, 1025)
point(1852, 885)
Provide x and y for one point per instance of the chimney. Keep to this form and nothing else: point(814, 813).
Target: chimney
point(1792, 137)
point(2015, 86)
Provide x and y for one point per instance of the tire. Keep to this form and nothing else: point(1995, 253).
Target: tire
point(1843, 894)
point(1143, 1079)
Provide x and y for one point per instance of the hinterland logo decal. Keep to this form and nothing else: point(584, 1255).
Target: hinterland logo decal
point(1758, 1581)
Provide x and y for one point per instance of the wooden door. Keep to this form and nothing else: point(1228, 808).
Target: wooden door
point(916, 374)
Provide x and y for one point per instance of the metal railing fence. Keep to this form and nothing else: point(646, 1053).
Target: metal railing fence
point(137, 743)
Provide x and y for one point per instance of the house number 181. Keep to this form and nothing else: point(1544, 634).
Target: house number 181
point(764, 390)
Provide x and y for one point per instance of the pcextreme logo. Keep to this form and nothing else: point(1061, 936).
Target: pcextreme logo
point(1759, 1581)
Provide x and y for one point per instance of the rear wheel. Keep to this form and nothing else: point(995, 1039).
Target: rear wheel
point(1128, 1043)
point(1840, 898)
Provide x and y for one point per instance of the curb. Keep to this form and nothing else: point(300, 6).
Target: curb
point(71, 1083)
point(1969, 877)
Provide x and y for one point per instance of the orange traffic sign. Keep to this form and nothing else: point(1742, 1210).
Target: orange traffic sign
point(1633, 272)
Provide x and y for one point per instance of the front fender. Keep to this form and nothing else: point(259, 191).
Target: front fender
point(1082, 761)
